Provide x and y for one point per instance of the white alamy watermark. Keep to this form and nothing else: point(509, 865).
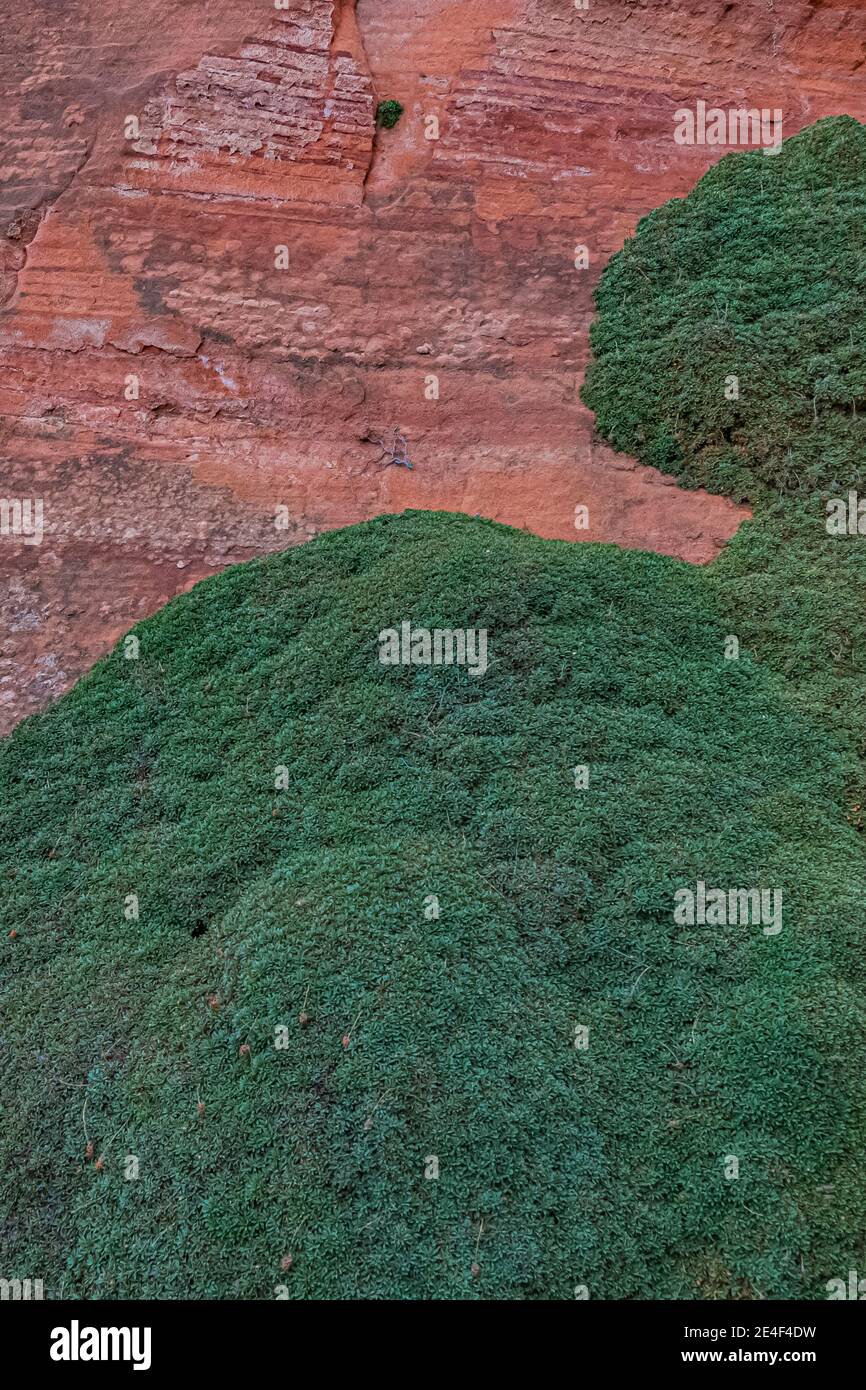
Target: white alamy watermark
point(77, 1343)
point(719, 907)
point(22, 516)
point(21, 1290)
point(443, 646)
point(738, 126)
point(846, 516)
point(854, 1289)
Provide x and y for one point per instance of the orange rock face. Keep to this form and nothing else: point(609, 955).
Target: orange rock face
point(218, 278)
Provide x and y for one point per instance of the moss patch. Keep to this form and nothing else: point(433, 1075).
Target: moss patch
point(388, 114)
point(452, 1036)
point(759, 275)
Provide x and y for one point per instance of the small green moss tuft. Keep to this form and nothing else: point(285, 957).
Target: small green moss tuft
point(388, 114)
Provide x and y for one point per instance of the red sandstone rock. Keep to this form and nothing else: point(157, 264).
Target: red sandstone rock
point(153, 255)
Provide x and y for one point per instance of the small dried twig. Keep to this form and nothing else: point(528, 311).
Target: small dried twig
point(636, 983)
point(393, 448)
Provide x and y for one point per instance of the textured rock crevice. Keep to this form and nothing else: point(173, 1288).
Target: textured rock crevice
point(289, 117)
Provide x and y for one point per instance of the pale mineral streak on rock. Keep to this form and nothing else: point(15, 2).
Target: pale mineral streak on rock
point(256, 387)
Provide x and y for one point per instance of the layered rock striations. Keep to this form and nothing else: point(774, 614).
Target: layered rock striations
point(218, 279)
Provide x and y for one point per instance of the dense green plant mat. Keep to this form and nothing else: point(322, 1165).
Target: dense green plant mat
point(410, 1035)
point(797, 599)
point(759, 274)
point(558, 1167)
point(757, 278)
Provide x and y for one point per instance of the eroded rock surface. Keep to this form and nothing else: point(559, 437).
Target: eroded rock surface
point(205, 314)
